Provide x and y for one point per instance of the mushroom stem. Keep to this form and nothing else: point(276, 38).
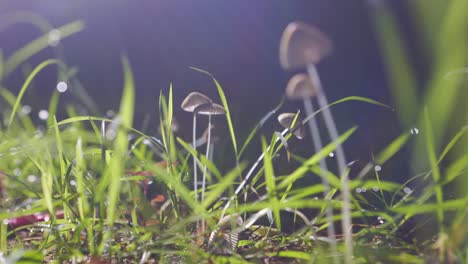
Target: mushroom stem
point(195, 174)
point(341, 160)
point(315, 133)
point(208, 143)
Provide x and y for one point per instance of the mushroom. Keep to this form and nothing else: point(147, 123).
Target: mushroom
point(302, 45)
point(208, 109)
point(290, 121)
point(287, 119)
point(300, 87)
point(192, 101)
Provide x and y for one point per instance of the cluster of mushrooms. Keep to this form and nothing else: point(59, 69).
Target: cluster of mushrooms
point(301, 47)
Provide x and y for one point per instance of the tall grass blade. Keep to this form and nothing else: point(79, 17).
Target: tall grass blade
point(434, 166)
point(28, 81)
point(271, 183)
point(226, 108)
point(37, 45)
point(121, 143)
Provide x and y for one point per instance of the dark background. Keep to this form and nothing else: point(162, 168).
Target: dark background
point(237, 41)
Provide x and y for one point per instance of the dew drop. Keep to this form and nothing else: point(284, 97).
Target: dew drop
point(375, 189)
point(331, 154)
point(358, 190)
point(414, 131)
point(32, 178)
point(26, 109)
point(6, 221)
point(17, 172)
point(110, 113)
point(62, 87)
point(377, 168)
point(46, 219)
point(54, 37)
point(73, 183)
point(43, 114)
point(364, 189)
point(407, 190)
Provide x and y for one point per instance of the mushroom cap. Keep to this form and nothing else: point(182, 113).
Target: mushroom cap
point(286, 119)
point(210, 109)
point(299, 87)
point(193, 100)
point(302, 44)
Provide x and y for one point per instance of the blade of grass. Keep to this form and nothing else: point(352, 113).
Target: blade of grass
point(28, 81)
point(434, 167)
point(33, 47)
point(226, 108)
point(271, 182)
point(314, 159)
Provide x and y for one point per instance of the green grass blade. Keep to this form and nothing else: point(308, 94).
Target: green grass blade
point(28, 81)
point(392, 149)
point(121, 141)
point(53, 103)
point(37, 45)
point(226, 107)
point(455, 169)
point(271, 182)
point(258, 126)
point(434, 166)
point(414, 209)
point(317, 157)
point(452, 143)
point(401, 74)
point(11, 99)
point(226, 182)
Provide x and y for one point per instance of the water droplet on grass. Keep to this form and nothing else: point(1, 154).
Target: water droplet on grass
point(6, 221)
point(377, 168)
point(32, 178)
point(358, 190)
point(62, 87)
point(331, 154)
point(43, 114)
point(54, 37)
point(414, 131)
point(407, 190)
point(375, 189)
point(26, 109)
point(17, 172)
point(110, 113)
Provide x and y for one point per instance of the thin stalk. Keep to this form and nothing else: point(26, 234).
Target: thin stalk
point(249, 174)
point(208, 143)
point(195, 174)
point(341, 160)
point(315, 133)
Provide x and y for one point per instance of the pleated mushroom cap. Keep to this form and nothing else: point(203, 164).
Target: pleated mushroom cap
point(300, 87)
point(286, 119)
point(210, 109)
point(301, 45)
point(193, 100)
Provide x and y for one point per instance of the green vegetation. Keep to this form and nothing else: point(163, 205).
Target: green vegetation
point(80, 184)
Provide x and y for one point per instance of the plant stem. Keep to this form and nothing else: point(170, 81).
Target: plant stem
point(208, 143)
point(315, 133)
point(341, 160)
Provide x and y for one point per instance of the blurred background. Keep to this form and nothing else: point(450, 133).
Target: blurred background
point(396, 52)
